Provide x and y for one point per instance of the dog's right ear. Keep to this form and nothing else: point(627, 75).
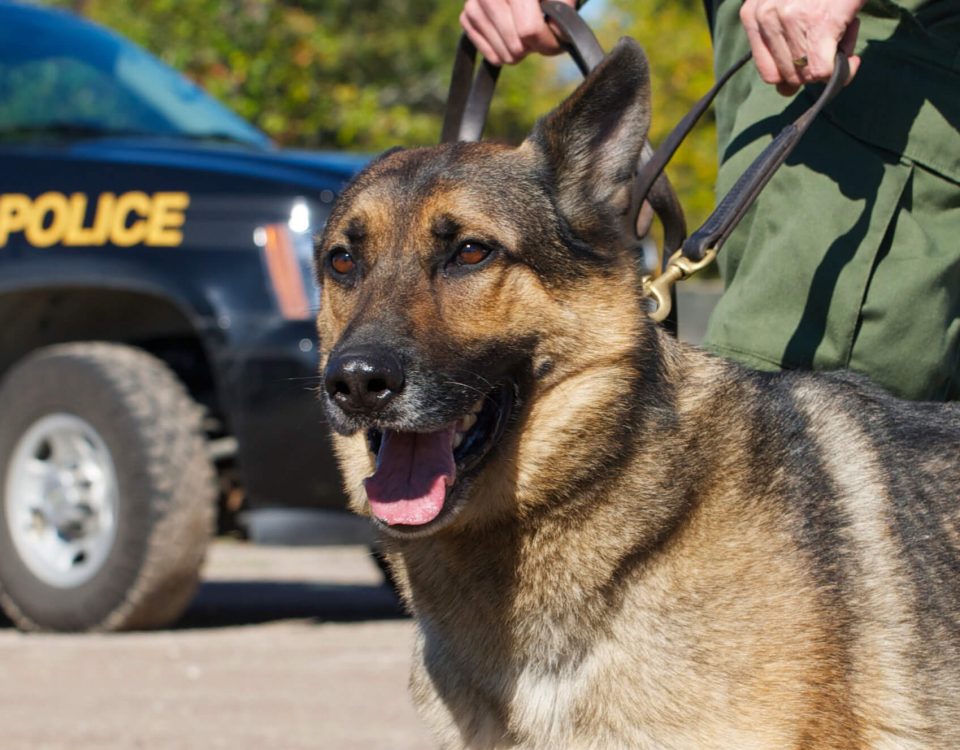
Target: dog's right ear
point(592, 141)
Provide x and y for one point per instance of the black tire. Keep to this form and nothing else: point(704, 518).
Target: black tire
point(165, 489)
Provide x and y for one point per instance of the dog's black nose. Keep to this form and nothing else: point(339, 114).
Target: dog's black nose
point(363, 380)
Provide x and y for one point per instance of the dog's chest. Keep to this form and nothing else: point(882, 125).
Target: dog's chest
point(497, 697)
point(546, 703)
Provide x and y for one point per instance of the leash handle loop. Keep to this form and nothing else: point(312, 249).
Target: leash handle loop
point(469, 96)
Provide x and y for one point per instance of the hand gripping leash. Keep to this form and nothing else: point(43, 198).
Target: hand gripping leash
point(468, 105)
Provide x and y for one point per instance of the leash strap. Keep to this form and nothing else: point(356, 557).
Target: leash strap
point(744, 192)
point(581, 44)
point(649, 172)
point(700, 249)
point(468, 100)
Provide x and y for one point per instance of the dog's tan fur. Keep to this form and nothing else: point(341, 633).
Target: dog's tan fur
point(663, 550)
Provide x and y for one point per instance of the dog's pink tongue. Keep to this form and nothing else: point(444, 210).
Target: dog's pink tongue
point(413, 472)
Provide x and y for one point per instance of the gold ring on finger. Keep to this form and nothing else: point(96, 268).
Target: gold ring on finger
point(801, 62)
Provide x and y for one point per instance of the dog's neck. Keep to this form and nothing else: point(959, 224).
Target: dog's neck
point(499, 574)
point(514, 615)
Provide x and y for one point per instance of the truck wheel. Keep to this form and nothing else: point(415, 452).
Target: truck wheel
point(107, 494)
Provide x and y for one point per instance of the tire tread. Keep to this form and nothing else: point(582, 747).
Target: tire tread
point(178, 471)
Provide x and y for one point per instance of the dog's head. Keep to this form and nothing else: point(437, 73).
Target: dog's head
point(477, 302)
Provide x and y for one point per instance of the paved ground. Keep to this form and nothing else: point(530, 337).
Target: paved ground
point(695, 302)
point(284, 648)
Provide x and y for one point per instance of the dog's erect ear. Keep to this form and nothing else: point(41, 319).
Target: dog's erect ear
point(592, 141)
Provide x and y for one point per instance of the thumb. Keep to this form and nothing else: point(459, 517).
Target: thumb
point(848, 44)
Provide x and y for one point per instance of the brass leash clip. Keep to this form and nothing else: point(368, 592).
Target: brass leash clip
point(678, 267)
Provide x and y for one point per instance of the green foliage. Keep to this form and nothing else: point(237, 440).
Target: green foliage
point(369, 74)
point(358, 74)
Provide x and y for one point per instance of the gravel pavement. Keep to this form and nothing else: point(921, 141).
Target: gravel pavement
point(283, 649)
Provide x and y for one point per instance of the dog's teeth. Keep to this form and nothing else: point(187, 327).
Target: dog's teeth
point(467, 422)
point(457, 439)
point(477, 407)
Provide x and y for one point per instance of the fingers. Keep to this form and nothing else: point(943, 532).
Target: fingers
point(489, 24)
point(794, 42)
point(506, 31)
point(534, 32)
point(847, 45)
point(785, 50)
point(766, 65)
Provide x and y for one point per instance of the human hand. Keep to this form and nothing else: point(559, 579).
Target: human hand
point(795, 42)
point(506, 31)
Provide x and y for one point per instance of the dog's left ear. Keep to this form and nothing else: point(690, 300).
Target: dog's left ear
point(592, 141)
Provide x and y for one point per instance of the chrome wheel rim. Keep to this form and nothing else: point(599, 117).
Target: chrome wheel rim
point(61, 499)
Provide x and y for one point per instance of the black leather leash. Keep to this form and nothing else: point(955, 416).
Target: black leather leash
point(468, 101)
point(701, 247)
point(468, 104)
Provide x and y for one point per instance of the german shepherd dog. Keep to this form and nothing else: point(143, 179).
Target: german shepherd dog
point(610, 539)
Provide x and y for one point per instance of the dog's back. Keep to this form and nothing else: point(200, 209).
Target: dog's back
point(808, 594)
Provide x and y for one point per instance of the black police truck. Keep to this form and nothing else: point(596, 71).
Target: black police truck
point(157, 352)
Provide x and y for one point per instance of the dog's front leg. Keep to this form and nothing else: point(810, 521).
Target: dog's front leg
point(457, 714)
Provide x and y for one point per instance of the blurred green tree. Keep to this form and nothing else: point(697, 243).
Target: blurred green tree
point(359, 74)
point(369, 74)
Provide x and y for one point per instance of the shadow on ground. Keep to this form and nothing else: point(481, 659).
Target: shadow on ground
point(231, 603)
point(221, 604)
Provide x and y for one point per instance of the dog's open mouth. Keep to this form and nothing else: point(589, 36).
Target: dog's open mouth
point(414, 470)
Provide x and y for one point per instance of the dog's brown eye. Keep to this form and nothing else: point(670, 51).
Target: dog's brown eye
point(471, 253)
point(342, 262)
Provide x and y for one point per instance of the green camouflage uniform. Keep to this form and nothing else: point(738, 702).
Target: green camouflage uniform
point(851, 256)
